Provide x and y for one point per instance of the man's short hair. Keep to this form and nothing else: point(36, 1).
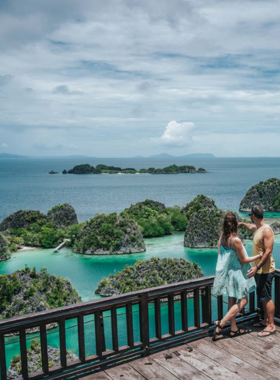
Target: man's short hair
point(257, 211)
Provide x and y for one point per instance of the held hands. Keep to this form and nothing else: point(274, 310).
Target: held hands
point(252, 272)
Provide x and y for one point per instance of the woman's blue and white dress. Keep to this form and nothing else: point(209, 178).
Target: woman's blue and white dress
point(231, 276)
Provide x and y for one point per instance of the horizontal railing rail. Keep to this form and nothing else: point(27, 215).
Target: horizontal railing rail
point(189, 305)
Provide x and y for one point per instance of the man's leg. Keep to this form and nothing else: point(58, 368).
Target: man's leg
point(269, 310)
point(268, 306)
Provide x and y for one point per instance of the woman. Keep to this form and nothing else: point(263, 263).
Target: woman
point(231, 275)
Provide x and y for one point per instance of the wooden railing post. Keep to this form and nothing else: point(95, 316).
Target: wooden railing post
point(206, 305)
point(277, 296)
point(99, 333)
point(144, 324)
point(3, 358)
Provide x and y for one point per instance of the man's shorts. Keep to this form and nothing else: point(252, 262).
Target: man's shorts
point(264, 285)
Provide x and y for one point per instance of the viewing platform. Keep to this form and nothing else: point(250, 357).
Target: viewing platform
point(156, 333)
point(243, 357)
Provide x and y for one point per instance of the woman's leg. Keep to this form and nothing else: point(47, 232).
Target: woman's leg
point(232, 302)
point(236, 308)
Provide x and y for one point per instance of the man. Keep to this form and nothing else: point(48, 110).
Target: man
point(264, 268)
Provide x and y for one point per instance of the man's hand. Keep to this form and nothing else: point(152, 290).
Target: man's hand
point(240, 224)
point(252, 272)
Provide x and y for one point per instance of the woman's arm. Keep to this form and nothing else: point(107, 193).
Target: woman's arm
point(238, 247)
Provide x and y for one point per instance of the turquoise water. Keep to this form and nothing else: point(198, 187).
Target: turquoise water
point(26, 184)
point(85, 272)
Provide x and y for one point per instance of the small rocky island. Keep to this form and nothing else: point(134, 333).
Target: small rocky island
point(147, 274)
point(110, 234)
point(265, 194)
point(34, 359)
point(31, 228)
point(4, 252)
point(62, 215)
point(204, 228)
point(105, 169)
point(155, 219)
point(28, 291)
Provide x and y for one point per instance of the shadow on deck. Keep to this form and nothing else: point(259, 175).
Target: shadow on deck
point(243, 357)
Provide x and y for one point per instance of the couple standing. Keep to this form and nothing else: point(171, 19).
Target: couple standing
point(236, 278)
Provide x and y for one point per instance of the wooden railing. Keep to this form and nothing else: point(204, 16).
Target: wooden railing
point(195, 322)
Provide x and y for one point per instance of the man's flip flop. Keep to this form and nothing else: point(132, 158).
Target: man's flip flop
point(259, 324)
point(267, 333)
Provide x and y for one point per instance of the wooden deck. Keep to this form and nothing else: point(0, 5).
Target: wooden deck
point(243, 357)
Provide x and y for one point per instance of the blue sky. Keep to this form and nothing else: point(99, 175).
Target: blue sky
point(122, 78)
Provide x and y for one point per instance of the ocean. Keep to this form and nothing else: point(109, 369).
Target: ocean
point(26, 184)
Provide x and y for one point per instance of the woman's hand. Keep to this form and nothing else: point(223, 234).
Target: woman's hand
point(261, 255)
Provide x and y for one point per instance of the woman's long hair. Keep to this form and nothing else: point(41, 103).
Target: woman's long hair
point(229, 225)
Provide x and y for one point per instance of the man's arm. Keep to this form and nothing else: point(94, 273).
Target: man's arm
point(249, 226)
point(268, 241)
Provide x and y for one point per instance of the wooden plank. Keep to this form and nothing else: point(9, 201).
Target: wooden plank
point(231, 362)
point(196, 308)
point(123, 372)
point(171, 361)
point(158, 318)
point(151, 369)
point(207, 366)
point(98, 335)
point(3, 357)
point(62, 343)
point(220, 307)
point(277, 296)
point(129, 325)
point(171, 319)
point(114, 325)
point(206, 305)
point(81, 337)
point(184, 311)
point(97, 376)
point(44, 349)
point(144, 323)
point(260, 346)
point(23, 353)
point(273, 339)
point(252, 302)
point(248, 355)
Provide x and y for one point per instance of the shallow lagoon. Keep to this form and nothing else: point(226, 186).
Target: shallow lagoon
point(85, 272)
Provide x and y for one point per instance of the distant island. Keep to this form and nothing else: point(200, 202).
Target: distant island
point(105, 169)
point(192, 155)
point(9, 155)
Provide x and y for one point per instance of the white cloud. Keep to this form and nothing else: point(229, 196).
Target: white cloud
point(178, 134)
point(4, 145)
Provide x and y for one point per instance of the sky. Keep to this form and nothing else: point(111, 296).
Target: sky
point(122, 78)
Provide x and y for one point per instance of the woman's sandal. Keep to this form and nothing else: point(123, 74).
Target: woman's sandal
point(217, 325)
point(238, 332)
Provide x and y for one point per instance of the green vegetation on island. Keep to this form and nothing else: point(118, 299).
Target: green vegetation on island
point(172, 169)
point(148, 274)
point(28, 291)
point(108, 235)
point(99, 169)
point(155, 219)
point(34, 229)
point(265, 194)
